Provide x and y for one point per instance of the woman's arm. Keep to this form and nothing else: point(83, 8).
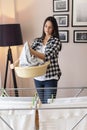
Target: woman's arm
point(37, 54)
point(14, 64)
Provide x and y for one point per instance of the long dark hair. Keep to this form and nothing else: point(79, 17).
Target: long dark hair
point(55, 27)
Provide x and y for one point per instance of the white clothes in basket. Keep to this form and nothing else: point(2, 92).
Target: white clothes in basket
point(26, 59)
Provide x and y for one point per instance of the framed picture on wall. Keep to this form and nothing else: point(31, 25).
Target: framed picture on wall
point(79, 13)
point(80, 36)
point(60, 5)
point(64, 36)
point(62, 20)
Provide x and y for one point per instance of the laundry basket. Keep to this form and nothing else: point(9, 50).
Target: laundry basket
point(34, 71)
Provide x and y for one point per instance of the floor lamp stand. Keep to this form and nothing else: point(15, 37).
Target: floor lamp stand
point(9, 58)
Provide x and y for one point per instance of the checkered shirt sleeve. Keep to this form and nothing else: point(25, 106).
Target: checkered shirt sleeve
point(51, 53)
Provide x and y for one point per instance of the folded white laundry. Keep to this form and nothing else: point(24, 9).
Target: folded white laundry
point(26, 59)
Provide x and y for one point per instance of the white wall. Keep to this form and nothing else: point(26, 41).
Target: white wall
point(72, 59)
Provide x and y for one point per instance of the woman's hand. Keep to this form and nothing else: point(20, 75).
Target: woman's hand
point(12, 66)
point(36, 53)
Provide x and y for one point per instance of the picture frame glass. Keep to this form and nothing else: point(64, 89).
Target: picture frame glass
point(80, 36)
point(60, 5)
point(62, 20)
point(63, 34)
point(79, 15)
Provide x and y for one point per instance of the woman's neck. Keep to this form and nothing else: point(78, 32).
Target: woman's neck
point(45, 40)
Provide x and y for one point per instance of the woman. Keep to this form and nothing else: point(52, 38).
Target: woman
point(47, 48)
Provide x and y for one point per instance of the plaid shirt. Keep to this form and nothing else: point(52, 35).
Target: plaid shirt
point(51, 53)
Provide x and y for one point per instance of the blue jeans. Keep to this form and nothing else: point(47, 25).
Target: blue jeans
point(46, 89)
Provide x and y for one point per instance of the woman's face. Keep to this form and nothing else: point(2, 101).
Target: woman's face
point(48, 28)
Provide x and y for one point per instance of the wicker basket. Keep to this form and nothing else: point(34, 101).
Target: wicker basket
point(29, 72)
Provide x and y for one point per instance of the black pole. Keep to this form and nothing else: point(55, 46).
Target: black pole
point(6, 70)
point(9, 58)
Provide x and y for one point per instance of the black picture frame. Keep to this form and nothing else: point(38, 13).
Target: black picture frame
point(64, 36)
point(79, 15)
point(80, 36)
point(60, 5)
point(62, 20)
